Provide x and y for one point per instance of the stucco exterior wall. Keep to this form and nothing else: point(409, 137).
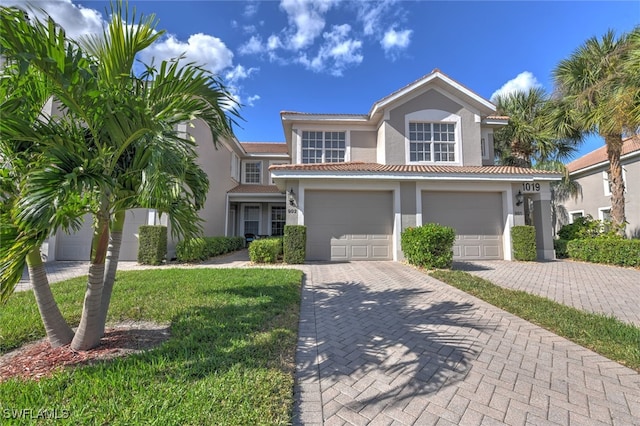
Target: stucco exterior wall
point(217, 164)
point(432, 99)
point(593, 195)
point(363, 146)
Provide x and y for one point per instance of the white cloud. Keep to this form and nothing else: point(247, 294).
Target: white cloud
point(522, 83)
point(203, 49)
point(254, 45)
point(251, 9)
point(75, 19)
point(239, 72)
point(393, 39)
point(306, 20)
point(251, 100)
point(371, 14)
point(337, 53)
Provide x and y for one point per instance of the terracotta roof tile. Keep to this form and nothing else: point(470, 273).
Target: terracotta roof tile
point(265, 147)
point(400, 168)
point(599, 155)
point(255, 189)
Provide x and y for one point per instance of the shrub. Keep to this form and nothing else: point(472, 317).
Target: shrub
point(606, 249)
point(523, 239)
point(265, 250)
point(560, 246)
point(152, 244)
point(192, 250)
point(587, 227)
point(295, 243)
point(429, 246)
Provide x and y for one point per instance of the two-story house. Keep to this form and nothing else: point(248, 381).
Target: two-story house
point(591, 171)
point(422, 154)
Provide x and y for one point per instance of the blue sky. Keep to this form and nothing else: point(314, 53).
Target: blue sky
point(331, 56)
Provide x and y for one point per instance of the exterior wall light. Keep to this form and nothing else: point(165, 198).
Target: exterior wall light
point(292, 200)
point(519, 198)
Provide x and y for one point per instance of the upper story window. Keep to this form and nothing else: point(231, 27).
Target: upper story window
point(323, 147)
point(433, 136)
point(606, 180)
point(433, 142)
point(235, 167)
point(252, 172)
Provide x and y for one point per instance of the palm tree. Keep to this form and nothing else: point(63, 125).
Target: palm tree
point(592, 87)
point(126, 152)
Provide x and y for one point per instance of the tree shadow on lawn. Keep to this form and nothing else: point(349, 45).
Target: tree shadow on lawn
point(390, 345)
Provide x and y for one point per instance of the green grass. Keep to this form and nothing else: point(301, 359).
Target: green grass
point(605, 335)
point(228, 361)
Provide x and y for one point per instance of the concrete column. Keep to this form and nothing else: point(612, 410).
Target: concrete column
point(544, 232)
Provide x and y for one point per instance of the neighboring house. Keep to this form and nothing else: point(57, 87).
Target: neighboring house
point(591, 171)
point(422, 154)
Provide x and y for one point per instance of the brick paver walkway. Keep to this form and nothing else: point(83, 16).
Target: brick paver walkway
point(590, 287)
point(383, 343)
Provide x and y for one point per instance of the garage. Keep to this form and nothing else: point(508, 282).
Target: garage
point(77, 245)
point(476, 217)
point(349, 225)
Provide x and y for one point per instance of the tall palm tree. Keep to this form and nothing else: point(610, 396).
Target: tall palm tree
point(126, 152)
point(592, 87)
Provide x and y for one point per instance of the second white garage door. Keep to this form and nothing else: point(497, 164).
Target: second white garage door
point(476, 217)
point(349, 225)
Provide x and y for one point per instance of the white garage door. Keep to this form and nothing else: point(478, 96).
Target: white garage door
point(349, 225)
point(476, 217)
point(77, 246)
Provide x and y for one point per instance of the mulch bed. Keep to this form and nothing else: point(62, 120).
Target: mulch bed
point(37, 360)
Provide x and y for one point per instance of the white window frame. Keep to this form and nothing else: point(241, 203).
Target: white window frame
point(270, 224)
point(435, 116)
point(275, 163)
point(244, 172)
point(243, 217)
point(324, 131)
point(601, 211)
point(235, 167)
point(607, 185)
point(571, 213)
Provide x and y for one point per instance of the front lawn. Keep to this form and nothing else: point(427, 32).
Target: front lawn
point(605, 335)
point(229, 359)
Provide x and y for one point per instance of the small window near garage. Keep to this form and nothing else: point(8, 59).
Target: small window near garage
point(575, 215)
point(252, 220)
point(323, 147)
point(432, 142)
point(278, 220)
point(253, 172)
point(604, 213)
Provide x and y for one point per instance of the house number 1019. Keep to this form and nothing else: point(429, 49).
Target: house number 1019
point(530, 187)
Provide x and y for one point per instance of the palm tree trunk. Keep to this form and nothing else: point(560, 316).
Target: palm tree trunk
point(614, 151)
point(113, 255)
point(58, 331)
point(89, 333)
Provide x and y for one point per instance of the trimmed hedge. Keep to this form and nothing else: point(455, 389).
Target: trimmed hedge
point(523, 238)
point(152, 244)
point(265, 250)
point(429, 245)
point(560, 246)
point(202, 248)
point(295, 244)
point(612, 251)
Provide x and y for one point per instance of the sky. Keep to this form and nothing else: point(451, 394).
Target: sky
point(336, 56)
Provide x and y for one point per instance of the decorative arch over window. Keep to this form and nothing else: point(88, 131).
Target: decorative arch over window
point(433, 136)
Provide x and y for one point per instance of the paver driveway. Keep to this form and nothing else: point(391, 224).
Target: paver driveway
point(383, 343)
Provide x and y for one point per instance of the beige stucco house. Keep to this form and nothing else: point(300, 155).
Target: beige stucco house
point(591, 171)
point(422, 154)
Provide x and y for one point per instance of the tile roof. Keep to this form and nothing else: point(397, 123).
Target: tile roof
point(401, 168)
point(265, 147)
point(255, 189)
point(599, 155)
